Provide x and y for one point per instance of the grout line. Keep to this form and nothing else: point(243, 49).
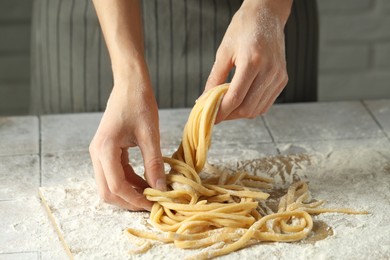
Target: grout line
point(49, 152)
point(19, 252)
point(17, 154)
point(371, 57)
point(374, 118)
point(40, 150)
point(5, 200)
point(333, 139)
point(270, 134)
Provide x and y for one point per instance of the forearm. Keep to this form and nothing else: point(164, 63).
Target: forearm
point(121, 24)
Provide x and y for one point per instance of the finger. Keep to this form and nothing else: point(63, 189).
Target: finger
point(153, 161)
point(100, 179)
point(221, 68)
point(104, 191)
point(116, 178)
point(134, 179)
point(119, 202)
point(131, 176)
point(241, 82)
point(249, 107)
point(250, 102)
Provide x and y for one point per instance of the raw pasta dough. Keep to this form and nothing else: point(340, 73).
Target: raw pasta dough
point(222, 210)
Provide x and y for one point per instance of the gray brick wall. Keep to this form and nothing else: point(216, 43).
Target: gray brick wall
point(354, 49)
point(15, 17)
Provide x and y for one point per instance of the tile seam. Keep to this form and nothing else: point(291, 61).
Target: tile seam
point(335, 139)
point(374, 118)
point(270, 134)
point(40, 150)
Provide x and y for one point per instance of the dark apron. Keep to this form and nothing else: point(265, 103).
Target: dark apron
point(71, 69)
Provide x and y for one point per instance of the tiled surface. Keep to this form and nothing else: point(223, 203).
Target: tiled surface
point(19, 176)
point(21, 225)
point(232, 152)
point(321, 121)
point(310, 128)
point(57, 253)
point(172, 125)
point(71, 132)
point(328, 147)
point(381, 111)
point(20, 256)
point(19, 135)
point(66, 167)
point(243, 131)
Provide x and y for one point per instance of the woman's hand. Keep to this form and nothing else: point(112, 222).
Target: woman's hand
point(131, 119)
point(254, 45)
point(131, 116)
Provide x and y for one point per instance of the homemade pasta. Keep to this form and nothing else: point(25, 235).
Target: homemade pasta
point(219, 209)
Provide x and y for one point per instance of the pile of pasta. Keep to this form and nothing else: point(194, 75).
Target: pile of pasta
point(221, 212)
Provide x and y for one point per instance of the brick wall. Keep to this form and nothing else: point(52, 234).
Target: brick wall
point(354, 49)
point(15, 19)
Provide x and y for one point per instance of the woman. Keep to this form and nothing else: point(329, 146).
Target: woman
point(169, 67)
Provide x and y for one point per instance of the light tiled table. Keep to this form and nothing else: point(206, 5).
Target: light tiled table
point(49, 150)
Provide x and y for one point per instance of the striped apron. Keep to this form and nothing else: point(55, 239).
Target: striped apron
point(70, 66)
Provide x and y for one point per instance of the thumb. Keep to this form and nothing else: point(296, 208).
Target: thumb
point(153, 163)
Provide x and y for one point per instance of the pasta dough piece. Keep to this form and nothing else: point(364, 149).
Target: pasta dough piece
point(224, 208)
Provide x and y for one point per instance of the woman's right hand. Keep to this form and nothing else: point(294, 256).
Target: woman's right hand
point(131, 116)
point(130, 120)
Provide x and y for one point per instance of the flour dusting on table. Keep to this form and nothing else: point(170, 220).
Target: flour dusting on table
point(353, 178)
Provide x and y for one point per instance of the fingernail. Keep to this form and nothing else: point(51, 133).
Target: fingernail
point(161, 184)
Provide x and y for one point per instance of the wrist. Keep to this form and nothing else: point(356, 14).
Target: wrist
point(279, 8)
point(129, 69)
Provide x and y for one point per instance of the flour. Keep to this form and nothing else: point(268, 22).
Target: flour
point(357, 178)
point(29, 228)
